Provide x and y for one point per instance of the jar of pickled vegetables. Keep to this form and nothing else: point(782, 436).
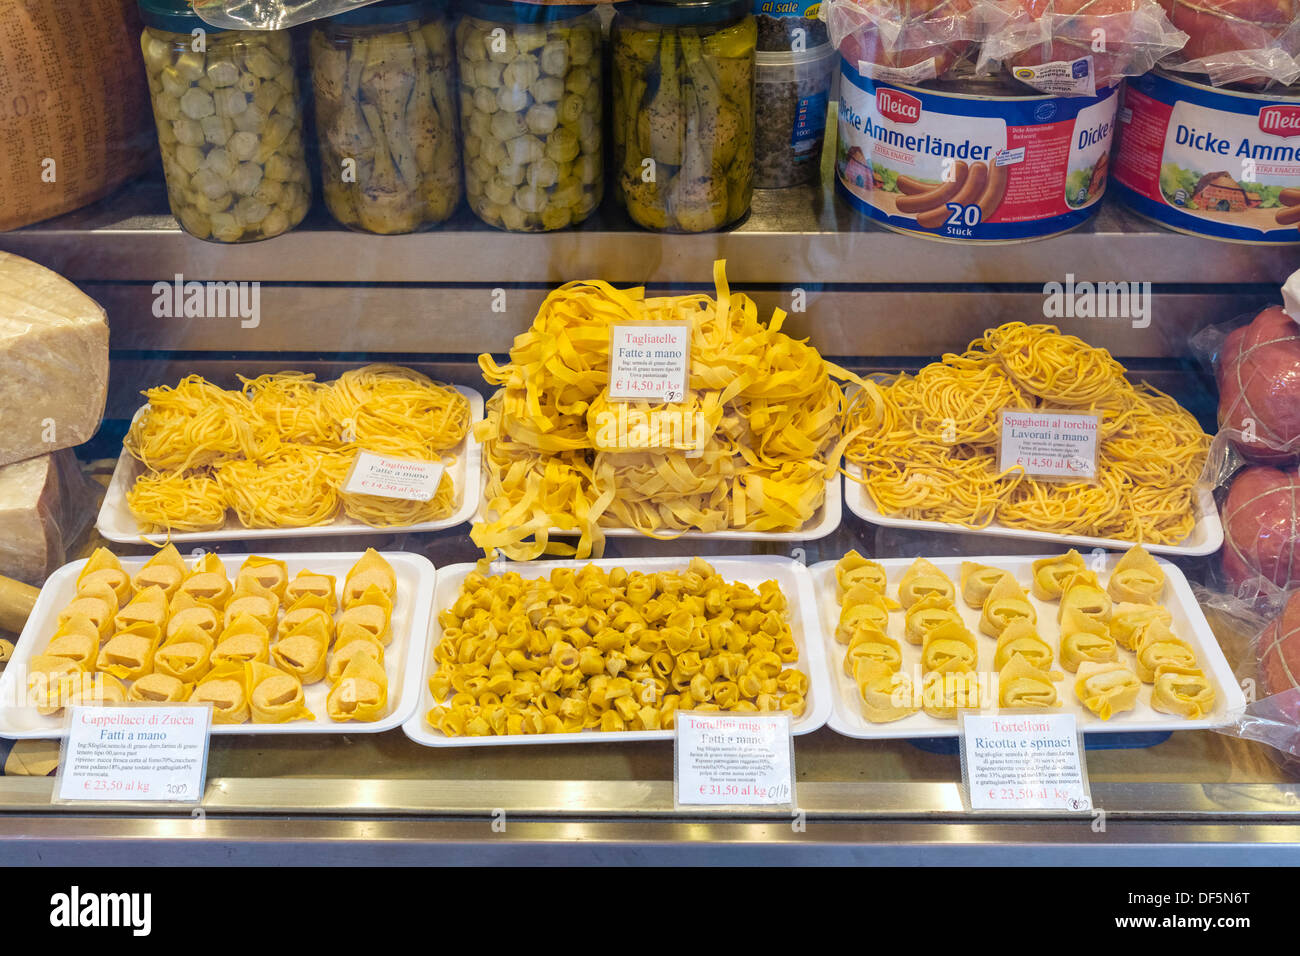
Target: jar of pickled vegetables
point(229, 122)
point(684, 111)
point(530, 103)
point(384, 79)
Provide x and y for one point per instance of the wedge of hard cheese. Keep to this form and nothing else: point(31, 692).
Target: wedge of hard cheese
point(53, 361)
point(44, 505)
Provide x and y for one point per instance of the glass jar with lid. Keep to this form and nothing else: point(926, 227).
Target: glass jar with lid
point(683, 89)
point(530, 78)
point(384, 79)
point(229, 117)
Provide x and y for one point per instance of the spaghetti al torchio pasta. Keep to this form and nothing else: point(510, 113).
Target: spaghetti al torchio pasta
point(277, 452)
point(749, 448)
point(925, 445)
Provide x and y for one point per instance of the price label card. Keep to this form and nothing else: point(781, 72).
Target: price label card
point(134, 754)
point(1016, 762)
point(733, 760)
point(1056, 446)
point(390, 477)
point(649, 361)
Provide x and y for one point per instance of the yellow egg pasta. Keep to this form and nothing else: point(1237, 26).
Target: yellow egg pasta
point(277, 453)
point(590, 649)
point(925, 445)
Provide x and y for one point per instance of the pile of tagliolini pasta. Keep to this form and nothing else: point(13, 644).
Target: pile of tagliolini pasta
point(619, 650)
point(278, 451)
point(763, 410)
point(925, 445)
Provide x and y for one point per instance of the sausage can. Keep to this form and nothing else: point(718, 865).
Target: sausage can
point(971, 160)
point(1212, 162)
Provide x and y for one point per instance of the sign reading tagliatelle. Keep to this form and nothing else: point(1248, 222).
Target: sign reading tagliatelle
point(649, 361)
point(389, 477)
point(1050, 445)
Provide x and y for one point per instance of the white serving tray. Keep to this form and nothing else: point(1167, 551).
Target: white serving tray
point(1206, 537)
point(116, 523)
point(824, 522)
point(416, 579)
point(1189, 624)
point(796, 584)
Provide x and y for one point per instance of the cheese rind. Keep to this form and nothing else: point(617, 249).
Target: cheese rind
point(53, 361)
point(44, 506)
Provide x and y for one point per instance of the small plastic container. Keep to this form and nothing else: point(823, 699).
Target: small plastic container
point(530, 103)
point(229, 119)
point(793, 93)
point(384, 78)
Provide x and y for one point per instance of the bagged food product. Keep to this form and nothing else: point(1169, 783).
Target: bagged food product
point(1261, 528)
point(684, 112)
point(73, 124)
point(1261, 642)
point(384, 79)
point(45, 504)
point(1250, 42)
point(530, 104)
point(53, 361)
point(792, 100)
point(1259, 387)
point(903, 41)
point(1075, 47)
point(229, 120)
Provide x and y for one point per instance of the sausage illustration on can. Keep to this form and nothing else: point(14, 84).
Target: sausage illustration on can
point(1213, 162)
point(978, 161)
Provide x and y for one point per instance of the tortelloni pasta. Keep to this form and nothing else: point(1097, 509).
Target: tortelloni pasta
point(175, 633)
point(616, 650)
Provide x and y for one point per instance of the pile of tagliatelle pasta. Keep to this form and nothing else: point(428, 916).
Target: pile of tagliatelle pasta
point(750, 449)
point(278, 451)
point(925, 445)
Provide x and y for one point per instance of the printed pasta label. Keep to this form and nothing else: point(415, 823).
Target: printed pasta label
point(1210, 161)
point(981, 168)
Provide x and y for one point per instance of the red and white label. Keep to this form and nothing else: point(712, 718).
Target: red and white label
point(389, 477)
point(1281, 121)
point(898, 106)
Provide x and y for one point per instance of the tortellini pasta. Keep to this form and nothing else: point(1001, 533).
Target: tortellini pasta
point(589, 649)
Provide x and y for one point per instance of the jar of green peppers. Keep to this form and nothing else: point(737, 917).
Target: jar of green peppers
point(683, 90)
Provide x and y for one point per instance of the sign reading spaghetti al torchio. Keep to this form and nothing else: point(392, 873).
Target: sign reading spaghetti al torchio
point(1048, 445)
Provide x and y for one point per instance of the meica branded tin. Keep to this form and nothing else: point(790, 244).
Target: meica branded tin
point(1212, 162)
point(971, 160)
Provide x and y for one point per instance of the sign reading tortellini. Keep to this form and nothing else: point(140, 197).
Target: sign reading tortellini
point(734, 760)
point(649, 361)
point(1021, 762)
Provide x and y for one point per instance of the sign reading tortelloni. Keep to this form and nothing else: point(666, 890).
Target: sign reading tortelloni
point(1022, 761)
